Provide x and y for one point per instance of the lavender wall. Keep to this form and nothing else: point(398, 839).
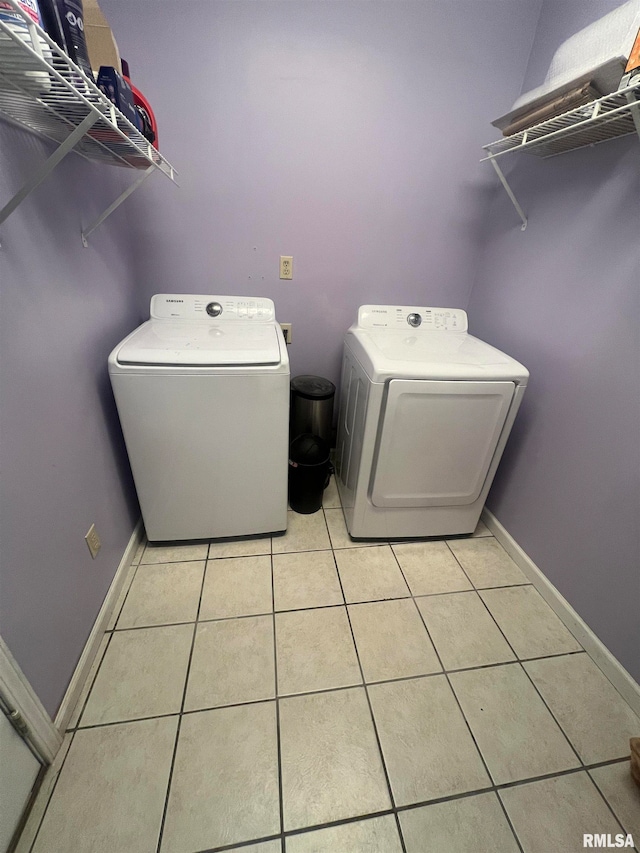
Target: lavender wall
point(336, 132)
point(63, 308)
point(332, 131)
point(563, 298)
point(326, 130)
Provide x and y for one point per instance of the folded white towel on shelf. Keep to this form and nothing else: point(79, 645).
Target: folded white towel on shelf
point(596, 54)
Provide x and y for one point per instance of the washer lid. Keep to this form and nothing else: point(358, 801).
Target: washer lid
point(173, 343)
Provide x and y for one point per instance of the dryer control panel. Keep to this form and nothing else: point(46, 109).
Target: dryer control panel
point(412, 317)
point(211, 308)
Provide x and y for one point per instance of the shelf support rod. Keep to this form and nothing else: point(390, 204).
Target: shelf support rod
point(509, 191)
point(635, 110)
point(49, 165)
point(116, 204)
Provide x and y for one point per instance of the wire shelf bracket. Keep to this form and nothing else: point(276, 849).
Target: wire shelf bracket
point(48, 166)
point(609, 117)
point(509, 191)
point(633, 99)
point(116, 204)
point(44, 92)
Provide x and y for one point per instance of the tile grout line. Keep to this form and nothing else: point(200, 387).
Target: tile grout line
point(414, 806)
point(104, 654)
point(583, 766)
point(553, 716)
point(173, 562)
point(405, 808)
point(124, 601)
point(277, 703)
point(129, 720)
point(333, 554)
point(181, 713)
point(608, 804)
point(111, 633)
point(517, 659)
point(409, 807)
point(395, 809)
point(74, 730)
point(499, 627)
point(345, 821)
point(535, 687)
point(326, 607)
point(240, 845)
point(50, 797)
point(306, 830)
point(446, 675)
point(466, 574)
point(521, 661)
point(368, 698)
point(315, 693)
point(90, 690)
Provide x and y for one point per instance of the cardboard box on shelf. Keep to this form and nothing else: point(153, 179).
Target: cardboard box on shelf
point(634, 56)
point(631, 77)
point(101, 44)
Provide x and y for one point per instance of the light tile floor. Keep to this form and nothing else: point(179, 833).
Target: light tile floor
point(413, 696)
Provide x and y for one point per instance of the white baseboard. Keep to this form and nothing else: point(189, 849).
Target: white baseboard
point(91, 647)
point(19, 696)
point(624, 683)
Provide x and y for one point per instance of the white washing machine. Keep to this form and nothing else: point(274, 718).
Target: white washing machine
point(425, 413)
point(202, 390)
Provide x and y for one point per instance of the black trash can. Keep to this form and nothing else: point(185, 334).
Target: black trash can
point(309, 472)
point(311, 407)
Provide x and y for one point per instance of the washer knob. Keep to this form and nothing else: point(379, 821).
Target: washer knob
point(413, 320)
point(214, 309)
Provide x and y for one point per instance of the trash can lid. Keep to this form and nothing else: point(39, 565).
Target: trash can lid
point(313, 387)
point(309, 449)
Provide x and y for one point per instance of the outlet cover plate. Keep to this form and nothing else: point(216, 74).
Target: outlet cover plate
point(286, 267)
point(93, 541)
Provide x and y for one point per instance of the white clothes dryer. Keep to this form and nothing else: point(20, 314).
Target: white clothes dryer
point(425, 413)
point(202, 390)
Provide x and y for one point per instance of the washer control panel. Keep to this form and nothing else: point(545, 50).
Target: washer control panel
point(188, 306)
point(404, 316)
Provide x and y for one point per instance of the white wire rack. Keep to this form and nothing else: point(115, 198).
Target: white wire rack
point(613, 115)
point(42, 90)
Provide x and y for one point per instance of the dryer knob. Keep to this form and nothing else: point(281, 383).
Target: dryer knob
point(214, 309)
point(413, 320)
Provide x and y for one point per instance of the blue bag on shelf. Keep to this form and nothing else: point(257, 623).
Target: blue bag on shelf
point(118, 90)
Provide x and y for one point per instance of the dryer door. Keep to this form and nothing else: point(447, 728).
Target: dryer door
point(437, 441)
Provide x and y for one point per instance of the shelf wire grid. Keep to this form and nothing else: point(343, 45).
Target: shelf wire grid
point(600, 120)
point(42, 90)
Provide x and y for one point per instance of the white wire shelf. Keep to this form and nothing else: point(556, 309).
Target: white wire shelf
point(598, 121)
point(43, 91)
point(609, 117)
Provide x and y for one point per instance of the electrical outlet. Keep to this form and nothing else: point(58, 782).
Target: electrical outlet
point(286, 331)
point(286, 266)
point(93, 541)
